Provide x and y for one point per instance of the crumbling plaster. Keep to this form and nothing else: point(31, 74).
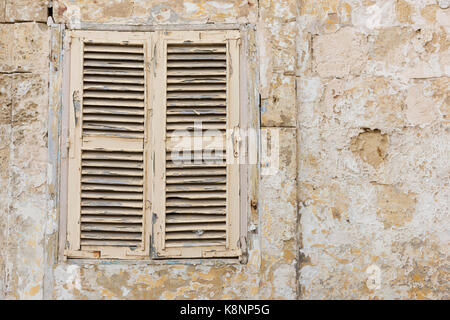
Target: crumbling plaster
point(358, 91)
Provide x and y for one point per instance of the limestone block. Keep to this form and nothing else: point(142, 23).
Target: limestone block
point(369, 102)
point(340, 54)
point(408, 53)
point(277, 205)
point(395, 208)
point(24, 47)
point(2, 10)
point(421, 109)
point(154, 11)
point(280, 109)
point(27, 186)
point(370, 146)
point(5, 155)
point(26, 10)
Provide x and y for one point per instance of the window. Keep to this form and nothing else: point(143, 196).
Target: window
point(153, 145)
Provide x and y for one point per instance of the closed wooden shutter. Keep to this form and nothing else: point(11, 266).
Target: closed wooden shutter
point(196, 184)
point(107, 188)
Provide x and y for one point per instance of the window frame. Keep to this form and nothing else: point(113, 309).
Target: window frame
point(246, 172)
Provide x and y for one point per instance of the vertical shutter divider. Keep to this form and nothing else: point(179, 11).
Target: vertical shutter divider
point(233, 158)
point(74, 192)
point(159, 130)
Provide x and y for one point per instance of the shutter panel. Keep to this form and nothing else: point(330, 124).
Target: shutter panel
point(197, 201)
point(107, 165)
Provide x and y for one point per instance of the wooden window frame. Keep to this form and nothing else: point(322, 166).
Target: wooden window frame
point(246, 173)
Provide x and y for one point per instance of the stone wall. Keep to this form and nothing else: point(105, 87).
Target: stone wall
point(358, 91)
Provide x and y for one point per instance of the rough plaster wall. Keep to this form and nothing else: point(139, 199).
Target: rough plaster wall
point(373, 103)
point(358, 92)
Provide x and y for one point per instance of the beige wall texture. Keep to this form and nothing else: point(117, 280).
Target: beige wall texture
point(359, 93)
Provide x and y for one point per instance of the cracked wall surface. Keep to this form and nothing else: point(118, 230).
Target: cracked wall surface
point(357, 92)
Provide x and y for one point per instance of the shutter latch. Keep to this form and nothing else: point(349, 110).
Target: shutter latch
point(236, 140)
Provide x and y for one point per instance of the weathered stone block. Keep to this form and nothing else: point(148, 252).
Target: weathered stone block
point(395, 208)
point(421, 109)
point(371, 147)
point(27, 185)
point(24, 47)
point(362, 102)
point(153, 11)
point(278, 206)
point(340, 54)
point(2, 10)
point(26, 10)
point(402, 52)
point(279, 109)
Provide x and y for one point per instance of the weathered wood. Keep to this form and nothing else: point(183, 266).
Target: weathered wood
point(111, 211)
point(195, 102)
point(110, 242)
point(196, 180)
point(194, 218)
point(192, 227)
point(196, 118)
point(188, 79)
point(196, 64)
point(111, 235)
point(187, 203)
point(113, 126)
point(195, 56)
point(113, 72)
point(116, 195)
point(114, 111)
point(195, 236)
point(196, 111)
point(197, 48)
point(196, 95)
point(132, 181)
point(111, 103)
point(197, 210)
point(111, 203)
point(197, 87)
point(184, 188)
point(113, 87)
point(135, 156)
point(193, 243)
point(107, 187)
point(113, 118)
point(195, 172)
point(194, 125)
point(109, 219)
point(113, 64)
point(196, 72)
point(91, 47)
point(120, 56)
point(113, 95)
point(196, 195)
point(112, 172)
point(113, 79)
point(111, 227)
point(115, 164)
point(114, 143)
